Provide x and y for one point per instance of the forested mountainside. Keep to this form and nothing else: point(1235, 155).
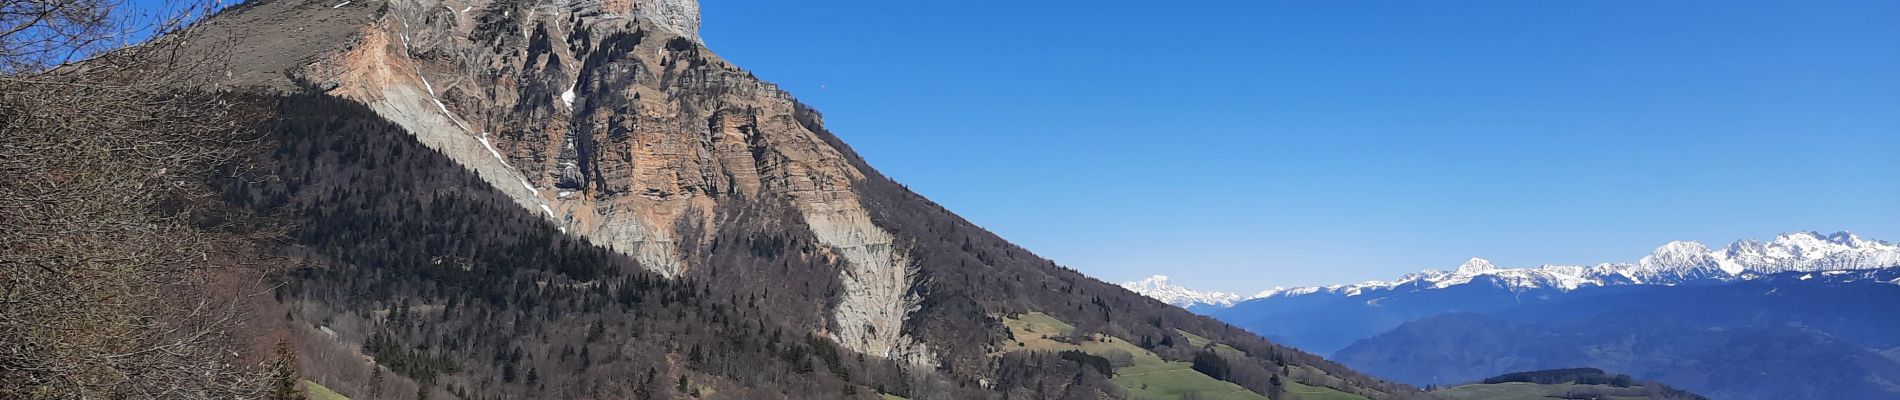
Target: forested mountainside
point(1565, 383)
point(1324, 323)
point(409, 259)
point(515, 199)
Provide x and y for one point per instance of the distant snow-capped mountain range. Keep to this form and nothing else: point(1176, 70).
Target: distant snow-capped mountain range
point(1673, 263)
point(1158, 287)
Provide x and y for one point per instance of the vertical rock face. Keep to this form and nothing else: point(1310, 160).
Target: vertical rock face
point(681, 17)
point(612, 120)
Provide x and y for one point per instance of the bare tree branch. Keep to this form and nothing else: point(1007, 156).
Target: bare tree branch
point(119, 275)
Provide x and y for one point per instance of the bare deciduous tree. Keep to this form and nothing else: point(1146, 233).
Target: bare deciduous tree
point(119, 277)
point(37, 34)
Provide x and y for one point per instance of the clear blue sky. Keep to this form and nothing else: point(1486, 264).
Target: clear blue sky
point(1239, 145)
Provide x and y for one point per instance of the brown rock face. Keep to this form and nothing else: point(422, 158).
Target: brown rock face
point(611, 119)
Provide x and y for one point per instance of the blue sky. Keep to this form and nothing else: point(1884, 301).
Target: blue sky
point(1239, 145)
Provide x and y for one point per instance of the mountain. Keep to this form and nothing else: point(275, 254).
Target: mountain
point(1810, 309)
point(509, 199)
point(1160, 288)
point(1673, 263)
point(1819, 335)
point(1327, 318)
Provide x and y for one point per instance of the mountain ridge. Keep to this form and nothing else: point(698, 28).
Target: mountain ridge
point(612, 128)
point(1673, 263)
point(1819, 333)
point(1160, 287)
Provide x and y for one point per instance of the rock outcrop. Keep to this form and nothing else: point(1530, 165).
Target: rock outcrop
point(610, 118)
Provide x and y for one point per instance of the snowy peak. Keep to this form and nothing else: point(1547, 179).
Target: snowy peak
point(1672, 263)
point(1159, 288)
point(1811, 251)
point(1476, 266)
point(1680, 256)
point(1679, 250)
point(1685, 261)
point(1845, 238)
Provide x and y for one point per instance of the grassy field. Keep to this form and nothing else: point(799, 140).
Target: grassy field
point(1299, 391)
point(1514, 391)
point(1295, 390)
point(318, 392)
point(1193, 339)
point(1150, 377)
point(1173, 380)
point(1221, 348)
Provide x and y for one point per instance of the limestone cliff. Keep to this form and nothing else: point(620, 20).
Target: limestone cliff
point(611, 119)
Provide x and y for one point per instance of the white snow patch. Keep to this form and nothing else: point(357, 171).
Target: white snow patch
point(568, 97)
point(452, 118)
point(565, 193)
point(340, 5)
point(1807, 277)
point(525, 184)
point(1301, 291)
point(550, 212)
point(465, 9)
point(491, 149)
point(445, 111)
